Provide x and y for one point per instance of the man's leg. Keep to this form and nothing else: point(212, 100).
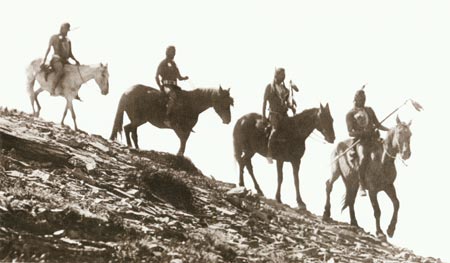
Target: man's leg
point(170, 106)
point(363, 164)
point(275, 122)
point(58, 67)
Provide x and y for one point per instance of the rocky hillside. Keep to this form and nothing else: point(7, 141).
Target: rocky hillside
point(68, 196)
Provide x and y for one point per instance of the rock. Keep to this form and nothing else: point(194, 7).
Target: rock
point(176, 260)
point(59, 233)
point(240, 191)
point(403, 255)
point(40, 174)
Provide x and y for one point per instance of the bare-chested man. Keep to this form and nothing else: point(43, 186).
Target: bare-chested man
point(62, 51)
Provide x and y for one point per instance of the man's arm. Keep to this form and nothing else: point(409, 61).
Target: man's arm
point(50, 44)
point(266, 96)
point(71, 54)
point(179, 77)
point(377, 124)
point(157, 79)
point(350, 125)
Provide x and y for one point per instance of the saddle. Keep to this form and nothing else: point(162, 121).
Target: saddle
point(47, 69)
point(267, 128)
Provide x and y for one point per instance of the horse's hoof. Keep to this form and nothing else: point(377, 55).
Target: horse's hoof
point(326, 214)
point(381, 236)
point(301, 206)
point(390, 232)
point(326, 218)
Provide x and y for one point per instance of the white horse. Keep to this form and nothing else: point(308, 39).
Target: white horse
point(73, 78)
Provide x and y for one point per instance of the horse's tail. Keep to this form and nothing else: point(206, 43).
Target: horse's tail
point(118, 121)
point(237, 139)
point(31, 72)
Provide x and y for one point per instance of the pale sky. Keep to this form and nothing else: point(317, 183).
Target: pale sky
point(328, 48)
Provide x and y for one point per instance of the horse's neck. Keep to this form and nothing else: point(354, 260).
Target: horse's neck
point(202, 99)
point(84, 73)
point(390, 150)
point(306, 122)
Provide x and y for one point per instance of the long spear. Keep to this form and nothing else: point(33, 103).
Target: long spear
point(416, 106)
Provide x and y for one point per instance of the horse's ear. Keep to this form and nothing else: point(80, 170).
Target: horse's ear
point(220, 88)
point(409, 123)
point(106, 65)
point(321, 107)
point(101, 64)
point(398, 120)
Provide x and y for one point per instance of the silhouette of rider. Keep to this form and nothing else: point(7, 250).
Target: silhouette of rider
point(277, 95)
point(62, 51)
point(167, 75)
point(363, 125)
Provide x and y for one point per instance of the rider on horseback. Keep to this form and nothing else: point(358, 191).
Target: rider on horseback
point(167, 75)
point(62, 51)
point(277, 95)
point(363, 125)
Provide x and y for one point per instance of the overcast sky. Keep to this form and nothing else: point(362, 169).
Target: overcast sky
point(328, 48)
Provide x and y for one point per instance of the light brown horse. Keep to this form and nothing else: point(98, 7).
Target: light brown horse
point(74, 77)
point(250, 138)
point(380, 176)
point(146, 104)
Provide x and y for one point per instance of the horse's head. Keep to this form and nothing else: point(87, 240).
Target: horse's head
point(401, 138)
point(102, 78)
point(325, 123)
point(221, 104)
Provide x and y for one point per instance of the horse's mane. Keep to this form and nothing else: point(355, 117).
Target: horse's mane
point(304, 115)
point(205, 91)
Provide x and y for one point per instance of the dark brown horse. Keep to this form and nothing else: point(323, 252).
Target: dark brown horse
point(145, 104)
point(250, 137)
point(380, 176)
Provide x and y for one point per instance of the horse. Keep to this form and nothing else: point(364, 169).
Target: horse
point(146, 104)
point(380, 176)
point(74, 77)
point(250, 137)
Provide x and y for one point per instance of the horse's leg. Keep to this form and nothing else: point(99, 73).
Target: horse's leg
point(74, 117)
point(127, 128)
point(335, 173)
point(377, 211)
point(36, 93)
point(241, 163)
point(352, 190)
point(32, 99)
point(183, 136)
point(249, 166)
point(280, 180)
point(390, 191)
point(295, 169)
point(31, 79)
point(134, 136)
point(65, 113)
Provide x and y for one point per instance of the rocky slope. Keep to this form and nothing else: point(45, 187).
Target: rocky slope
point(67, 196)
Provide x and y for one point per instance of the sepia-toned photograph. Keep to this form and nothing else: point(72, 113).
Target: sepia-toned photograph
point(224, 131)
